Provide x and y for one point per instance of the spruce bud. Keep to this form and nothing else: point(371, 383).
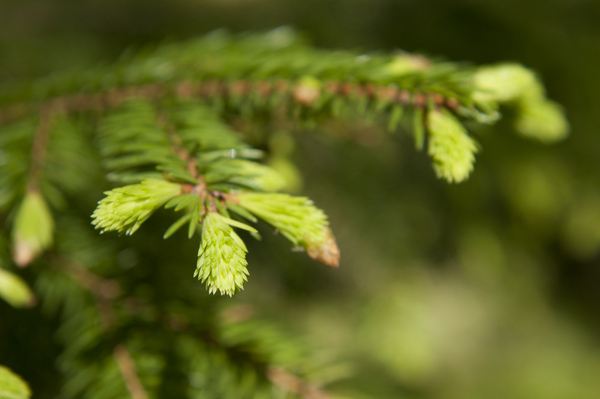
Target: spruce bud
point(543, 120)
point(32, 231)
point(14, 290)
point(451, 148)
point(506, 82)
point(298, 220)
point(221, 257)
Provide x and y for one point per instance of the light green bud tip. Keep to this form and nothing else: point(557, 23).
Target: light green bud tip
point(543, 120)
point(538, 117)
point(222, 256)
point(307, 90)
point(32, 231)
point(451, 148)
point(14, 290)
point(12, 386)
point(298, 220)
point(295, 217)
point(126, 208)
point(506, 82)
point(405, 64)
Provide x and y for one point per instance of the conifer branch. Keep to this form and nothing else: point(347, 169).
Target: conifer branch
point(164, 141)
point(105, 291)
point(167, 135)
point(82, 102)
point(297, 92)
point(276, 71)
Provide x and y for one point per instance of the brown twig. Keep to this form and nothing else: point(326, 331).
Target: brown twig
point(177, 146)
point(103, 289)
point(128, 371)
point(295, 91)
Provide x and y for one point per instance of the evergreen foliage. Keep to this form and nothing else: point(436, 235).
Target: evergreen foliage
point(12, 386)
point(451, 148)
point(222, 255)
point(14, 290)
point(166, 129)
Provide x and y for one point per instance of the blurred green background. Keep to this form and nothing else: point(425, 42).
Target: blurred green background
point(487, 289)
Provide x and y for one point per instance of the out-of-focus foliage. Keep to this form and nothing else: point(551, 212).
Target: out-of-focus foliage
point(486, 289)
point(12, 386)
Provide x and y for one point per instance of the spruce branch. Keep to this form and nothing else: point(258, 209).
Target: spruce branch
point(248, 74)
point(115, 336)
point(239, 343)
point(230, 74)
point(274, 72)
point(306, 92)
point(164, 135)
point(205, 164)
point(105, 292)
point(166, 139)
point(135, 144)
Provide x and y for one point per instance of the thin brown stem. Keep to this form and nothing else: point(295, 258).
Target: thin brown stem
point(129, 373)
point(177, 146)
point(103, 289)
point(294, 91)
point(178, 149)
